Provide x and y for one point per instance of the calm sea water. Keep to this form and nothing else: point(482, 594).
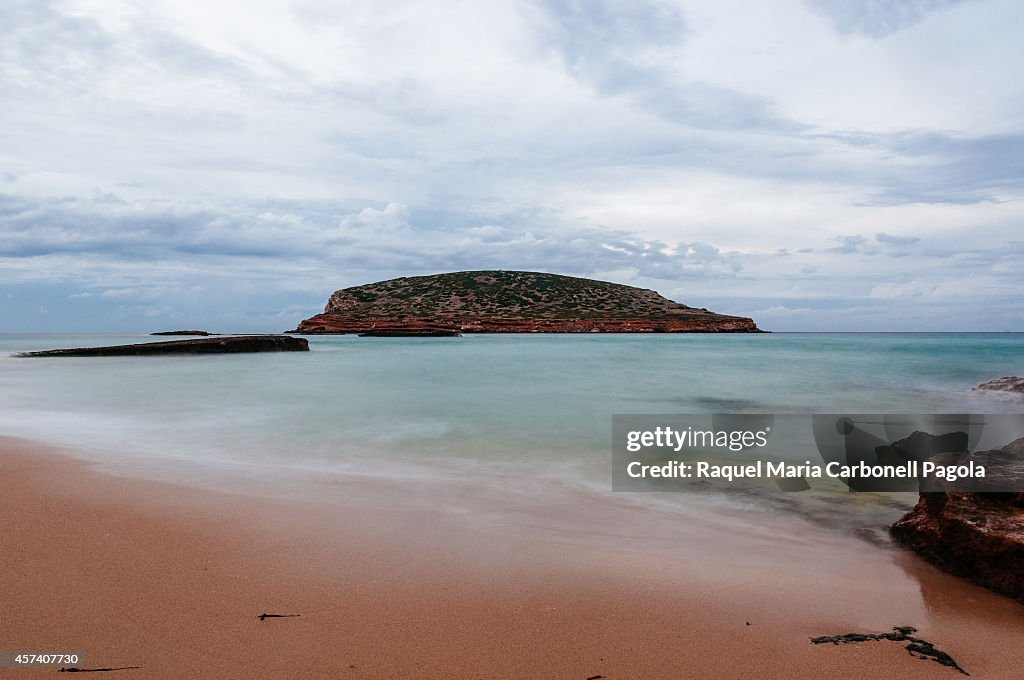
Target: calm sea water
point(474, 406)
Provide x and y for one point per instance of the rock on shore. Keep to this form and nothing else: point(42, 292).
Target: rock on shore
point(512, 302)
point(979, 536)
point(219, 345)
point(1009, 383)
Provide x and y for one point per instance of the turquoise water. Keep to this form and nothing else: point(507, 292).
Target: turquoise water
point(471, 405)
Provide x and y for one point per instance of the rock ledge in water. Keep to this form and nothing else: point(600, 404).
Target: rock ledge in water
point(200, 333)
point(225, 345)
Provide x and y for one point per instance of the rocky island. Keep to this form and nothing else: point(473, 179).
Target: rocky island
point(501, 301)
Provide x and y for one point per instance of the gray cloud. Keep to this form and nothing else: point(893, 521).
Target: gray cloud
point(848, 244)
point(896, 240)
point(612, 46)
point(325, 238)
point(600, 35)
point(935, 166)
point(878, 18)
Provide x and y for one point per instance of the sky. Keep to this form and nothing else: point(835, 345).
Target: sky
point(818, 165)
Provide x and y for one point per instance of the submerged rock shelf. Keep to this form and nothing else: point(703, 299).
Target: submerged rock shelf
point(219, 345)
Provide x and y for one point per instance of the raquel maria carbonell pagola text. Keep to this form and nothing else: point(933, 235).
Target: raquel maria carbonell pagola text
point(773, 470)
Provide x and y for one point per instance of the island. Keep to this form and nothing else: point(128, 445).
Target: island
point(500, 301)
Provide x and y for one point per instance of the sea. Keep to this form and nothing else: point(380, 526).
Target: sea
point(529, 411)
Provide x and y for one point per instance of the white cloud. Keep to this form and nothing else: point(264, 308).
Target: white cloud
point(384, 223)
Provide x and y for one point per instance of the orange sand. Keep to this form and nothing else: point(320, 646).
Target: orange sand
point(170, 579)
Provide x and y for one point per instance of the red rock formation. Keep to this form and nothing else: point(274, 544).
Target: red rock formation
point(713, 323)
point(979, 536)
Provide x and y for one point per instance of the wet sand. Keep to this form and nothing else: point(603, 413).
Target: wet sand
point(170, 579)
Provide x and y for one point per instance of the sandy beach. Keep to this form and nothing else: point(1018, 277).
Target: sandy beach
point(170, 579)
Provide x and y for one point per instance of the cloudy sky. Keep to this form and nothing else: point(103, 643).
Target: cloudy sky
point(815, 164)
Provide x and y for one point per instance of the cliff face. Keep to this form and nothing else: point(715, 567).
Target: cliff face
point(513, 302)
